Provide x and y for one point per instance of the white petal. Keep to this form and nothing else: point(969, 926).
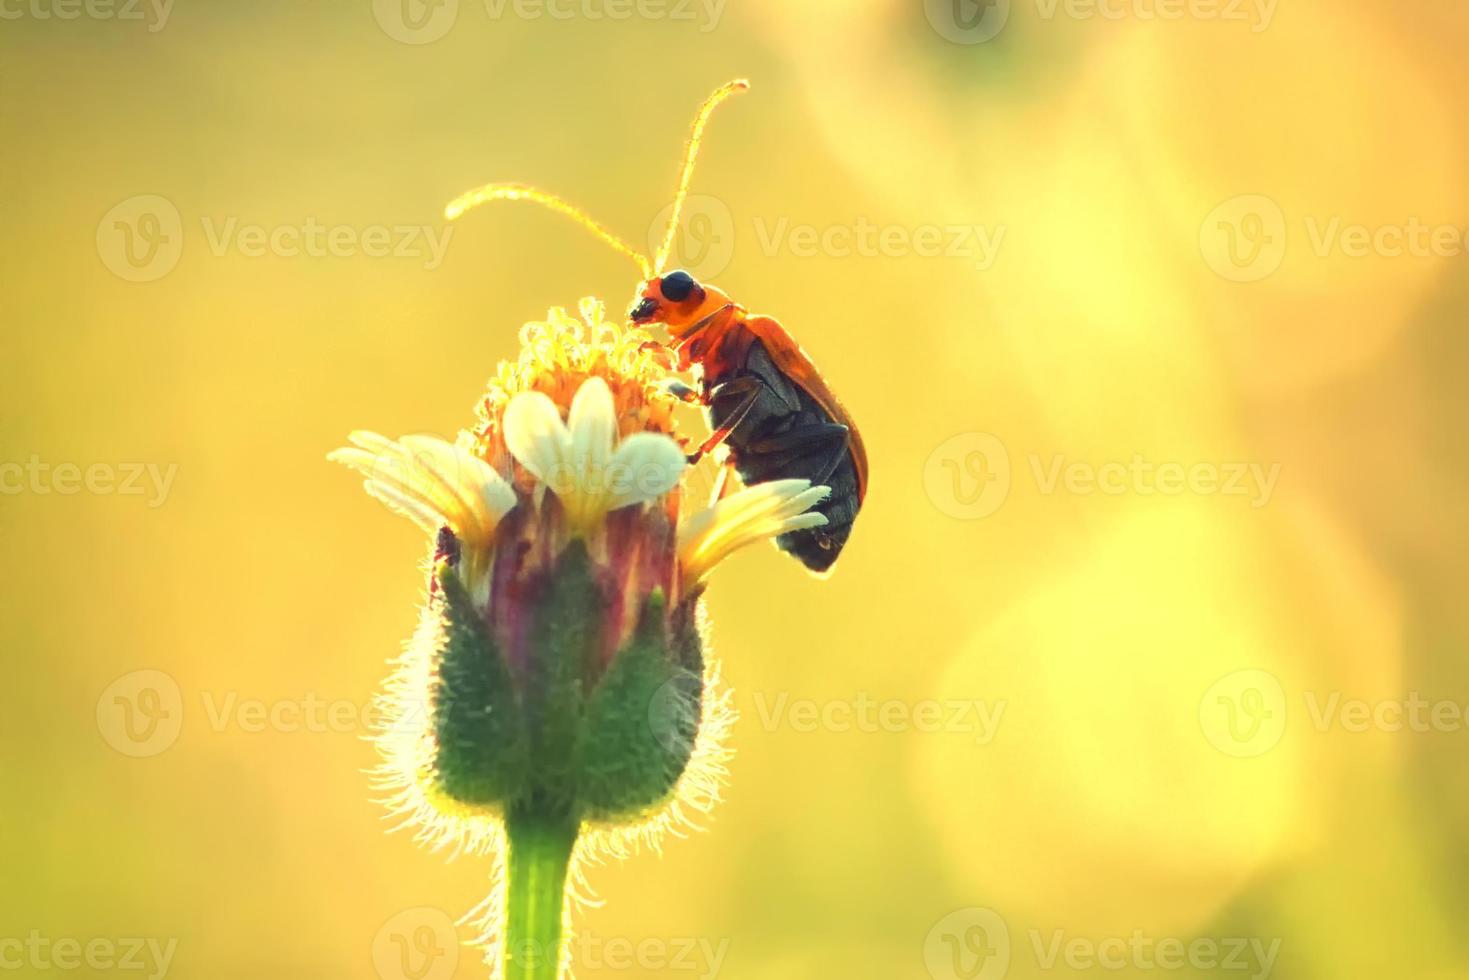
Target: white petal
point(498, 495)
point(536, 436)
point(593, 424)
point(432, 482)
point(410, 507)
point(803, 501)
point(388, 469)
point(645, 466)
point(372, 442)
point(775, 498)
point(360, 460)
point(765, 510)
point(441, 462)
point(390, 464)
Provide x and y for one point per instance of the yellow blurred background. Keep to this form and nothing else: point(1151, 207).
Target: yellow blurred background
point(1147, 656)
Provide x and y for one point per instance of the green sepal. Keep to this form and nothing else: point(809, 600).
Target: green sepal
point(640, 724)
point(483, 757)
point(566, 625)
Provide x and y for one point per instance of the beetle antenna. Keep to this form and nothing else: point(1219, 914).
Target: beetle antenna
point(690, 154)
point(520, 192)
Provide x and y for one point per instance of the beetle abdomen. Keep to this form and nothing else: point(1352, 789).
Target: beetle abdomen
point(787, 434)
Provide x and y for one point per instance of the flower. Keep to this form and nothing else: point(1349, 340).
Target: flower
point(578, 461)
point(558, 699)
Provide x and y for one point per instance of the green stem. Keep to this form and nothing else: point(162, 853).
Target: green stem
point(540, 856)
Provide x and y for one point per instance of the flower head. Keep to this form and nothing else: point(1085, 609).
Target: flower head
point(559, 686)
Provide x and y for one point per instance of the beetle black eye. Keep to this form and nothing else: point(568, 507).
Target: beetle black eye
point(677, 286)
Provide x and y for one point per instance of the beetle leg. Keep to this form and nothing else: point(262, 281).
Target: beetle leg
point(678, 389)
point(749, 390)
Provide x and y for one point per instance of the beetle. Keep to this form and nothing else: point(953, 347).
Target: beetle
point(767, 402)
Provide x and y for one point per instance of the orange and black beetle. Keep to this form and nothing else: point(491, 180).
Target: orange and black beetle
point(767, 402)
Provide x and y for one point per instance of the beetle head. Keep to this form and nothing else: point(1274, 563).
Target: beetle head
point(678, 301)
